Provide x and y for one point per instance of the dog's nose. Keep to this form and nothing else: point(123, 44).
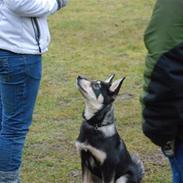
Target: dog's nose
point(79, 77)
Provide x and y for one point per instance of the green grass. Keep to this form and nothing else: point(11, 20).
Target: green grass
point(92, 38)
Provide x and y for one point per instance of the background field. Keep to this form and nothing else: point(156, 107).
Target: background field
point(92, 38)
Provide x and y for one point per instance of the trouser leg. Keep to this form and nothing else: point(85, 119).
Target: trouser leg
point(20, 79)
point(177, 163)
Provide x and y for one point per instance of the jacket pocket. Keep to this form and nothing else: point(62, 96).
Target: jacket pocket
point(37, 31)
point(45, 34)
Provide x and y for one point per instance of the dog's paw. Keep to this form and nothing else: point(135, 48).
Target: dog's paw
point(81, 146)
point(77, 144)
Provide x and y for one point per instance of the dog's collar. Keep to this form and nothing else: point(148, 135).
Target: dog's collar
point(97, 119)
point(97, 126)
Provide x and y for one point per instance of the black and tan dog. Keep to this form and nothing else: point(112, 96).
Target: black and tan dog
point(104, 157)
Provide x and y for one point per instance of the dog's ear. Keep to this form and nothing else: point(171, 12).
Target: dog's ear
point(115, 87)
point(109, 79)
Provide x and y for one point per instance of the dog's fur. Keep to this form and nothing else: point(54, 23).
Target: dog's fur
point(104, 157)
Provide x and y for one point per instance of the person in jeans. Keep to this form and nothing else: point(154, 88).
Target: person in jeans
point(24, 37)
point(163, 85)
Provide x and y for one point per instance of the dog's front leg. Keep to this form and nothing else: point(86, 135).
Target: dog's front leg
point(108, 175)
point(107, 180)
point(86, 175)
point(98, 154)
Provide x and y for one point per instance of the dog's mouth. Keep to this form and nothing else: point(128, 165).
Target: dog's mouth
point(81, 89)
point(79, 86)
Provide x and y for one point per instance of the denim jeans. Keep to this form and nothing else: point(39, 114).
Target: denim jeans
point(177, 163)
point(20, 76)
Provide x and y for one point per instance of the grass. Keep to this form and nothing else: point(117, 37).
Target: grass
point(92, 38)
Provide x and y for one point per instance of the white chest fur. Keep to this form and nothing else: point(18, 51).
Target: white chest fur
point(108, 130)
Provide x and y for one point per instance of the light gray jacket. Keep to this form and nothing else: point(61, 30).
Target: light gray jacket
point(23, 24)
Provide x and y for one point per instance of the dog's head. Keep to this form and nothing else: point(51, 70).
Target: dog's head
point(98, 94)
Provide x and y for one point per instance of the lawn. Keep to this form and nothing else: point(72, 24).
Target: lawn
point(92, 38)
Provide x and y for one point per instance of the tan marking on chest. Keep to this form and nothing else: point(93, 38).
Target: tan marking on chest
point(98, 154)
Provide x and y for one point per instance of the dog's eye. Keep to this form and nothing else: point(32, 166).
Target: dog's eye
point(96, 86)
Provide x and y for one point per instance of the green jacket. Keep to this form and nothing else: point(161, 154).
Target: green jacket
point(163, 75)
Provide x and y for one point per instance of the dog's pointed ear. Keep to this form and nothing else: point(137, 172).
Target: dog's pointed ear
point(115, 87)
point(110, 79)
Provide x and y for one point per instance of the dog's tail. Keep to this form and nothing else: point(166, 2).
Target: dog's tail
point(139, 166)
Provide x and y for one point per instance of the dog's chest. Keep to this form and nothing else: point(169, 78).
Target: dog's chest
point(91, 140)
point(89, 132)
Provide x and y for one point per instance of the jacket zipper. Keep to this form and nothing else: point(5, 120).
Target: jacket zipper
point(37, 31)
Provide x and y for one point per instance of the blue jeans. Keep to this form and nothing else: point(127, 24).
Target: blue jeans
point(20, 76)
point(177, 163)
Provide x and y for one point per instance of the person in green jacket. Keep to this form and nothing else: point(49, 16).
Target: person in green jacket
point(162, 99)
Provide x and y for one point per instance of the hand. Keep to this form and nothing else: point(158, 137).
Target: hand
point(169, 149)
point(61, 3)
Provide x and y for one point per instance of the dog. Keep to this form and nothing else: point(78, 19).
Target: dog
point(104, 156)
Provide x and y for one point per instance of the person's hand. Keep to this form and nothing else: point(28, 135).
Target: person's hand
point(169, 149)
point(61, 3)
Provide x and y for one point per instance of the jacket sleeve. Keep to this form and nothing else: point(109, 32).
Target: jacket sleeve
point(35, 8)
